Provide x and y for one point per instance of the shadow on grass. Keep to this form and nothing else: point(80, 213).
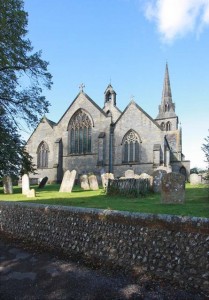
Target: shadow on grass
point(196, 203)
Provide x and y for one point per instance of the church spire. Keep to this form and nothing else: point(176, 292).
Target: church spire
point(167, 107)
point(166, 94)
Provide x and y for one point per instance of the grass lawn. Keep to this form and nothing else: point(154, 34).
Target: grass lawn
point(196, 203)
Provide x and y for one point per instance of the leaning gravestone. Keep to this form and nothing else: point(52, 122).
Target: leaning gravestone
point(93, 182)
point(173, 188)
point(129, 174)
point(68, 181)
point(195, 179)
point(105, 177)
point(7, 184)
point(43, 182)
point(84, 182)
point(25, 184)
point(157, 180)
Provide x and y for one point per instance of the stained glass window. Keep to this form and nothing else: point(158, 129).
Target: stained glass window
point(131, 147)
point(80, 133)
point(42, 155)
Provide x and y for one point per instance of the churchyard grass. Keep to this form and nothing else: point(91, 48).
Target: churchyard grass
point(196, 202)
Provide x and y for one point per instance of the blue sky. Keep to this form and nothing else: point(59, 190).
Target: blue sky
point(128, 42)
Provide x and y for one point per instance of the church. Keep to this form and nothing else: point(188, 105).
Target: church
point(90, 139)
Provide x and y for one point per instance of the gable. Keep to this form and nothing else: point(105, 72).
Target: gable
point(136, 116)
point(83, 101)
point(44, 127)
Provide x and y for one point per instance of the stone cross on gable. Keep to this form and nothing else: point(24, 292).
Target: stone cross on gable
point(132, 98)
point(81, 87)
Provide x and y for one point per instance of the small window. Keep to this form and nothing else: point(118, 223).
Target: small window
point(162, 126)
point(168, 126)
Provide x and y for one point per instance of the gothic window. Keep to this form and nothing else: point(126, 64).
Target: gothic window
point(79, 129)
point(168, 126)
point(42, 155)
point(162, 126)
point(131, 147)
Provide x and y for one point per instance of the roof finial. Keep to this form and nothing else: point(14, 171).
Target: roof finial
point(132, 98)
point(81, 87)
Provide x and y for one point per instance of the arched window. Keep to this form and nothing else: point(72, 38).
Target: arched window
point(131, 147)
point(42, 155)
point(168, 126)
point(162, 126)
point(80, 128)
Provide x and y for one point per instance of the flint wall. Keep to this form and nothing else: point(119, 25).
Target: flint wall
point(171, 247)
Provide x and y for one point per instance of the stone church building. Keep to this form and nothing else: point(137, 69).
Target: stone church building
point(91, 139)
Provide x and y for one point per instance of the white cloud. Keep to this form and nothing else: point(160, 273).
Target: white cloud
point(176, 18)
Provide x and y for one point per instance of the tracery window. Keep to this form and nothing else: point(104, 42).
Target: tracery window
point(80, 129)
point(131, 147)
point(42, 155)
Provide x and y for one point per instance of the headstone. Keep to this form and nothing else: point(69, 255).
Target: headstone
point(31, 193)
point(105, 178)
point(84, 182)
point(43, 182)
point(7, 184)
point(25, 184)
point(129, 174)
point(19, 182)
point(195, 179)
point(157, 180)
point(173, 188)
point(68, 181)
point(93, 182)
point(147, 176)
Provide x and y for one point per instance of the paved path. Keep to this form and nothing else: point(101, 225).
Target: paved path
point(26, 274)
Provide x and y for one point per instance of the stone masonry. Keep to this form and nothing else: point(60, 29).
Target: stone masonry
point(170, 247)
point(111, 147)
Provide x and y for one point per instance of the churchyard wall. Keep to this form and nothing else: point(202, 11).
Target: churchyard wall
point(170, 247)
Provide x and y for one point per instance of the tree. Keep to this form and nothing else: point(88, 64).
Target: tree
point(23, 75)
point(13, 157)
point(205, 148)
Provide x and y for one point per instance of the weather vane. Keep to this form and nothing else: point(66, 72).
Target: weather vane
point(81, 87)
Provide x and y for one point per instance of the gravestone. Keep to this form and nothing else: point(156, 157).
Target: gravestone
point(31, 193)
point(93, 182)
point(147, 176)
point(7, 185)
point(43, 182)
point(84, 182)
point(25, 184)
point(157, 180)
point(195, 179)
point(173, 188)
point(105, 178)
point(19, 182)
point(68, 181)
point(129, 174)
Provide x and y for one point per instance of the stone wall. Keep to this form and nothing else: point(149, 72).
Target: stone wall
point(170, 247)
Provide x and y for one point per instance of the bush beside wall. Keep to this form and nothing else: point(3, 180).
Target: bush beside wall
point(170, 247)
